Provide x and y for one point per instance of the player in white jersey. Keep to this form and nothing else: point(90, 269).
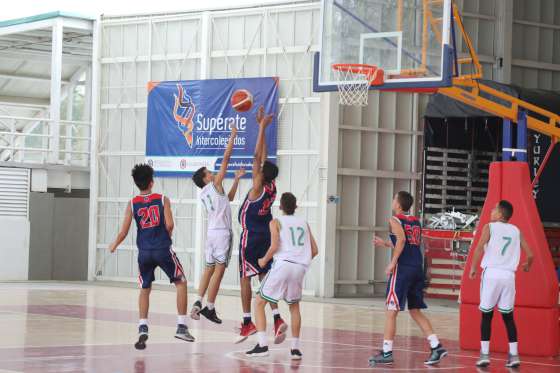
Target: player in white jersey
point(219, 236)
point(501, 243)
point(292, 247)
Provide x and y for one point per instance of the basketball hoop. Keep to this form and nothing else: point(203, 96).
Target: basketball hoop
point(354, 81)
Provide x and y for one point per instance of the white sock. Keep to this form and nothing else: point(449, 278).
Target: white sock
point(485, 347)
point(295, 343)
point(434, 341)
point(387, 346)
point(247, 314)
point(276, 311)
point(198, 299)
point(263, 341)
point(513, 348)
point(143, 322)
point(182, 320)
point(210, 306)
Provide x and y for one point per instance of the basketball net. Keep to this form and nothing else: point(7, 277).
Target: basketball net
point(354, 81)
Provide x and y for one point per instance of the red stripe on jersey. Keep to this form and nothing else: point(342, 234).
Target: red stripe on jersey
point(147, 198)
point(407, 217)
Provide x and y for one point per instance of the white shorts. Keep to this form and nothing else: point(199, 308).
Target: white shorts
point(218, 247)
point(283, 281)
point(497, 288)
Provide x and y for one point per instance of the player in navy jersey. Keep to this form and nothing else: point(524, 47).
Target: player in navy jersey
point(255, 216)
point(154, 222)
point(406, 280)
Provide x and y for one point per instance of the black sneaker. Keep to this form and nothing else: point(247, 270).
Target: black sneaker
point(296, 354)
point(436, 355)
point(183, 333)
point(513, 361)
point(257, 351)
point(196, 310)
point(210, 314)
point(382, 358)
point(142, 337)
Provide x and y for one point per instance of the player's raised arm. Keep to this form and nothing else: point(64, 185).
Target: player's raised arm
point(220, 176)
point(528, 253)
point(169, 223)
point(261, 152)
point(124, 229)
point(398, 231)
point(274, 243)
point(484, 238)
point(238, 175)
point(314, 247)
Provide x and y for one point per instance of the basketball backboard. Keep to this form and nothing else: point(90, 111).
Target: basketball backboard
point(409, 39)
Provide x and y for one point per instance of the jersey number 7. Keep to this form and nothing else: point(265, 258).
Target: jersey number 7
point(508, 242)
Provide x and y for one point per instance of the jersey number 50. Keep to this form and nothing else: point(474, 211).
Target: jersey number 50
point(150, 216)
point(413, 234)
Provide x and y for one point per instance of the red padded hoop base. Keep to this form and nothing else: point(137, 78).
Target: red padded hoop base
point(536, 301)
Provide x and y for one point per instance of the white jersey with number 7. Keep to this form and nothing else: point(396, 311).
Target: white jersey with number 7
point(295, 240)
point(504, 248)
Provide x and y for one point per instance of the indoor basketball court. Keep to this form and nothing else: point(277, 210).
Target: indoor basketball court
point(166, 177)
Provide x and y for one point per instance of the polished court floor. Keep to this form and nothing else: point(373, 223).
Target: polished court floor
point(66, 327)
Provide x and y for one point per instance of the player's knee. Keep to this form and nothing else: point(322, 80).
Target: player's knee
point(260, 301)
point(180, 284)
point(391, 314)
point(507, 317)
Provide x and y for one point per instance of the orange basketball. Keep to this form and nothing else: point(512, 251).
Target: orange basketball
point(242, 100)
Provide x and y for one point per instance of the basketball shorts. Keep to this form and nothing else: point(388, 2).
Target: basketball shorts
point(284, 281)
point(497, 288)
point(406, 284)
point(218, 247)
point(252, 247)
point(149, 260)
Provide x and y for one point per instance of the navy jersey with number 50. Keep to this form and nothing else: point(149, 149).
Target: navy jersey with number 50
point(150, 222)
point(411, 254)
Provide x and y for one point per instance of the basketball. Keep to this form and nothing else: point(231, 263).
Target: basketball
point(242, 100)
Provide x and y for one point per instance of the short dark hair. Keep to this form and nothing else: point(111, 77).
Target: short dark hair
point(143, 175)
point(288, 202)
point(405, 199)
point(506, 208)
point(198, 177)
point(270, 171)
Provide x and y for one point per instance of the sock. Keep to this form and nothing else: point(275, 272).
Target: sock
point(246, 318)
point(485, 347)
point(182, 320)
point(263, 341)
point(210, 306)
point(143, 322)
point(513, 348)
point(295, 343)
point(276, 314)
point(434, 341)
point(387, 346)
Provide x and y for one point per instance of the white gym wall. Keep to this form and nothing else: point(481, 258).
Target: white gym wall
point(362, 156)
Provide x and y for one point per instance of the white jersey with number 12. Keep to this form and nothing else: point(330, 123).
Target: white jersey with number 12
point(295, 240)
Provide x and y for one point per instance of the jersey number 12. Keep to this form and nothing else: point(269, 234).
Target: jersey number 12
point(300, 241)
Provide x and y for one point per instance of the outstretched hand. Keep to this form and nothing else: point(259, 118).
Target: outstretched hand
point(378, 242)
point(472, 273)
point(262, 119)
point(239, 173)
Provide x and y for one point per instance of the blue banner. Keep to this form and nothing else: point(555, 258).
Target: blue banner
point(189, 123)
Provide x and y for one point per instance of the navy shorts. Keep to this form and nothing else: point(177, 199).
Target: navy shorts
point(252, 247)
point(149, 260)
point(406, 284)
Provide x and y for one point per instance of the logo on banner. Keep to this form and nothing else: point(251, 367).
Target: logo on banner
point(183, 112)
point(183, 164)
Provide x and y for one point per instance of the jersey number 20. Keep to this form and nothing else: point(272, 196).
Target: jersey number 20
point(150, 216)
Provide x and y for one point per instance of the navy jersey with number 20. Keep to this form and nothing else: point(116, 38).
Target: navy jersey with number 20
point(411, 254)
point(150, 222)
